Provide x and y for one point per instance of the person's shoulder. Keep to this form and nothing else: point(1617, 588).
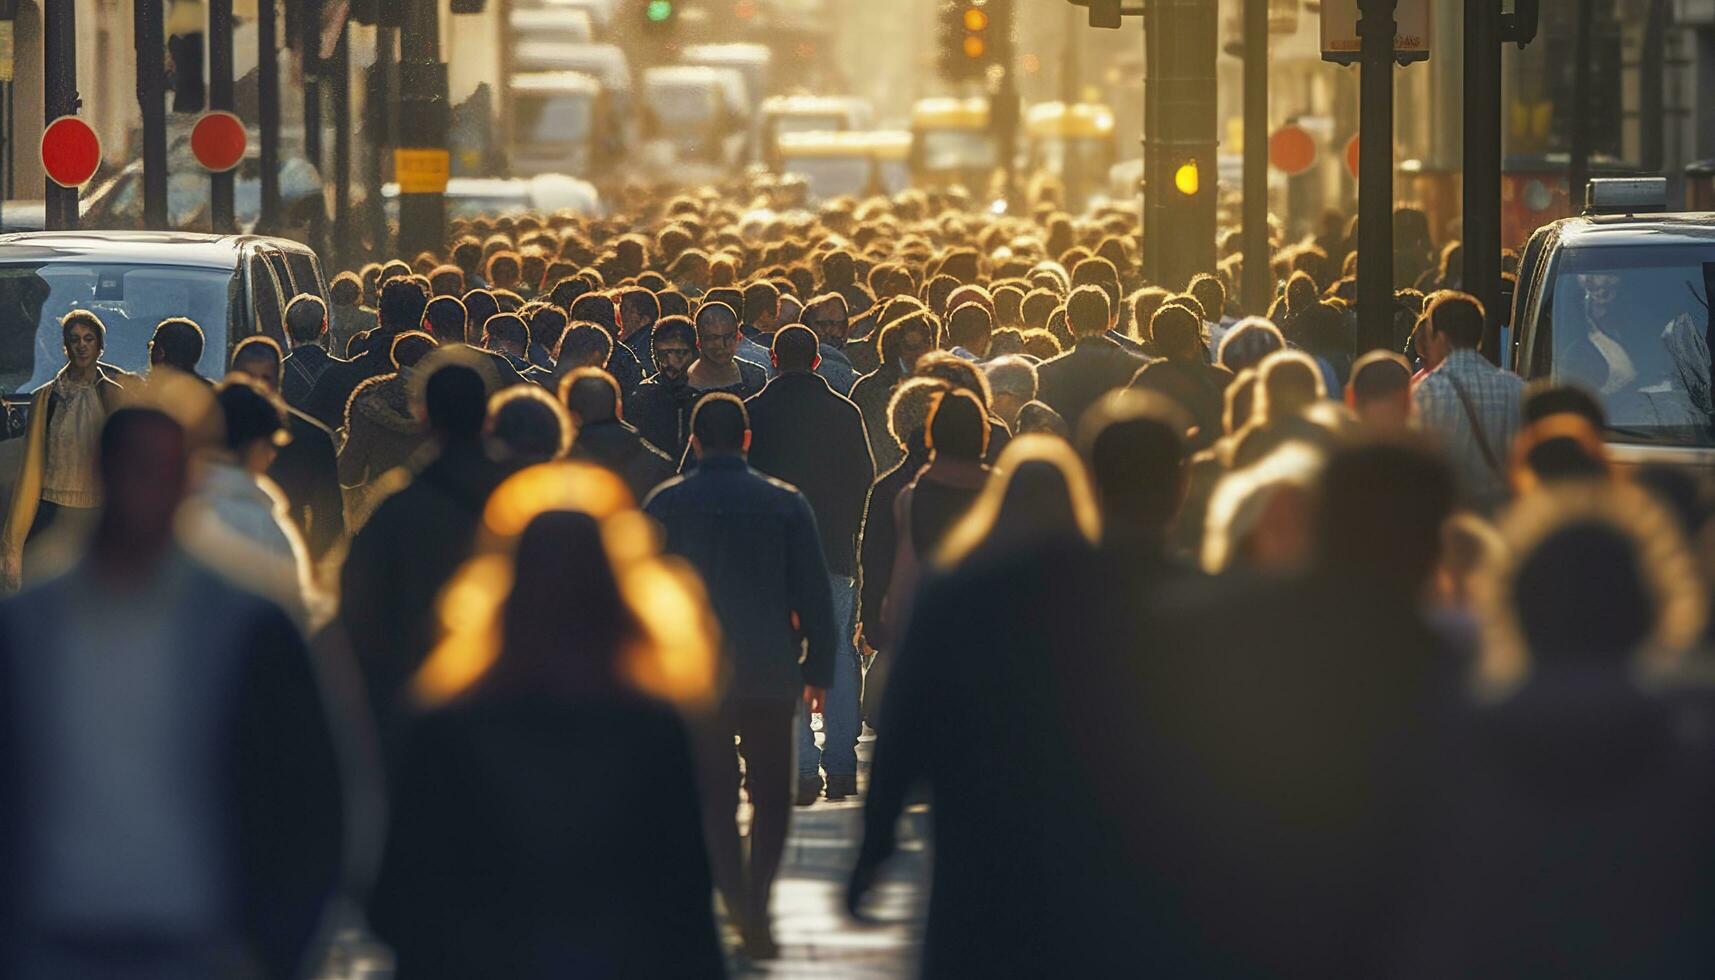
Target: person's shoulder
point(668, 494)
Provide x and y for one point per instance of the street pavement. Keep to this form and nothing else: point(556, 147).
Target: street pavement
point(816, 938)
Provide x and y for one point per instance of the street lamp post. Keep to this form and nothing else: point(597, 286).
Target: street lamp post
point(1376, 29)
point(1256, 279)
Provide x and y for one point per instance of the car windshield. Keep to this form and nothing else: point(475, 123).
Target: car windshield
point(957, 149)
point(129, 299)
point(551, 118)
point(1632, 325)
point(832, 176)
point(678, 104)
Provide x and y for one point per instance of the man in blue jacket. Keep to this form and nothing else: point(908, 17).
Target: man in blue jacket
point(755, 542)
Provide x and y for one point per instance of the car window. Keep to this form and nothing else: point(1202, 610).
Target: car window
point(306, 274)
point(1631, 323)
point(265, 303)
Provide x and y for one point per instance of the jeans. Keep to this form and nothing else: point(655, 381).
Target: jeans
point(840, 724)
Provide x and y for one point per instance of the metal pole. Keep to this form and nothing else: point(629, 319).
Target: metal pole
point(1651, 78)
point(340, 92)
point(310, 49)
point(1482, 190)
point(423, 124)
point(152, 102)
point(221, 206)
point(377, 126)
point(1004, 108)
point(268, 112)
point(59, 97)
point(1376, 30)
point(1073, 161)
point(1578, 171)
point(1257, 278)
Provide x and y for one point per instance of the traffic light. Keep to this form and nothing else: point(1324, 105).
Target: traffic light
point(1186, 179)
point(967, 38)
point(659, 13)
point(1103, 13)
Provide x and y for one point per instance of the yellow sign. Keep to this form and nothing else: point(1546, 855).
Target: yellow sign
point(6, 51)
point(421, 171)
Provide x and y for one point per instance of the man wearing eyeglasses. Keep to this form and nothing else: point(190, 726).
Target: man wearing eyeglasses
point(826, 315)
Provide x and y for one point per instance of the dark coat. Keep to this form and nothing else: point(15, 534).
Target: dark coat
point(327, 400)
point(307, 471)
point(661, 411)
point(805, 434)
point(401, 559)
point(871, 394)
point(1196, 386)
point(272, 767)
point(625, 368)
point(881, 538)
point(537, 838)
point(862, 354)
point(381, 431)
point(617, 446)
point(754, 541)
point(300, 371)
point(1072, 382)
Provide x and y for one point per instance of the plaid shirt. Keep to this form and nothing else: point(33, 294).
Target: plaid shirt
point(1497, 401)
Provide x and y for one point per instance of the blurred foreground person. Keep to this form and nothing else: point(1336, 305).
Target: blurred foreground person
point(170, 799)
point(754, 541)
point(545, 820)
point(1575, 835)
point(58, 480)
point(306, 468)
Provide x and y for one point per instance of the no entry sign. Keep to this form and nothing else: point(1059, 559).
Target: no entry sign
point(71, 151)
point(1291, 150)
point(218, 140)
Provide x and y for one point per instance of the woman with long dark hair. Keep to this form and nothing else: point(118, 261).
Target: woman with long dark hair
point(545, 819)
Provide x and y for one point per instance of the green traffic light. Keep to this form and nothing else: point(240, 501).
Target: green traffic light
point(659, 10)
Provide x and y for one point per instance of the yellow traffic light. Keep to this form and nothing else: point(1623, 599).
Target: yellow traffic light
point(976, 19)
point(1186, 179)
point(974, 47)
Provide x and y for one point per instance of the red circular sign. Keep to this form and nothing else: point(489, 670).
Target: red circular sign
point(1352, 156)
point(218, 140)
point(1291, 150)
point(71, 152)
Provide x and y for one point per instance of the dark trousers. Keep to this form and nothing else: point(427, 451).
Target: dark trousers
point(765, 740)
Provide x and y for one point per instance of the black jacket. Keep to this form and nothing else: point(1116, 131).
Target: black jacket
point(300, 371)
point(881, 537)
point(804, 433)
point(307, 471)
point(661, 411)
point(617, 446)
point(1073, 382)
point(1196, 386)
point(401, 559)
point(754, 541)
point(327, 400)
point(538, 839)
point(871, 394)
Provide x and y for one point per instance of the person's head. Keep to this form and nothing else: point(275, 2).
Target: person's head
point(446, 280)
point(1210, 293)
point(970, 326)
point(1099, 272)
point(1088, 312)
point(638, 311)
point(446, 320)
point(597, 308)
point(1012, 383)
point(85, 337)
point(908, 411)
point(762, 305)
point(506, 333)
point(306, 320)
point(1250, 340)
point(907, 339)
point(402, 303)
point(526, 425)
point(1377, 515)
point(177, 344)
point(1177, 333)
point(254, 422)
point(795, 350)
point(673, 343)
point(1379, 390)
point(1039, 493)
point(720, 426)
point(546, 324)
point(956, 371)
point(1238, 401)
point(583, 345)
point(591, 395)
point(717, 334)
point(258, 358)
point(957, 428)
point(408, 348)
point(455, 402)
point(504, 270)
point(1288, 382)
point(346, 289)
point(1134, 443)
point(1543, 398)
point(1455, 318)
point(144, 463)
point(826, 314)
point(1040, 418)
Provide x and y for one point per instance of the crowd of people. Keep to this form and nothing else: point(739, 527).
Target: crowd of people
point(476, 605)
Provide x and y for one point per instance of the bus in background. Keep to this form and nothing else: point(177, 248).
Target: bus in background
point(951, 144)
point(787, 114)
point(855, 164)
point(753, 62)
point(694, 115)
point(560, 124)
